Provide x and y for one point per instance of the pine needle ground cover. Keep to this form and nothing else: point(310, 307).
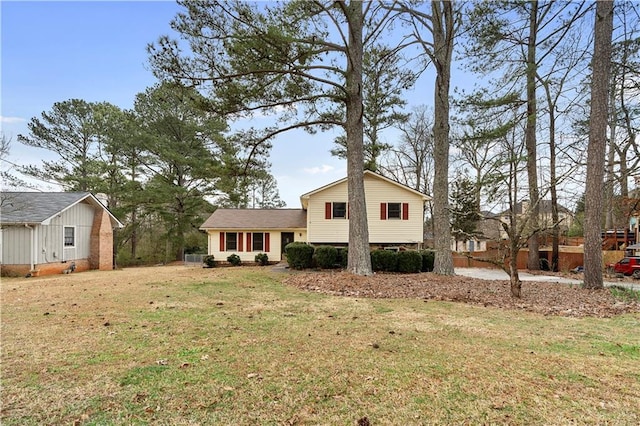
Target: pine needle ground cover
point(179, 345)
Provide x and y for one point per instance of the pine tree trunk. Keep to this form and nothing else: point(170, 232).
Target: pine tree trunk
point(443, 47)
point(553, 182)
point(533, 261)
point(359, 258)
point(597, 142)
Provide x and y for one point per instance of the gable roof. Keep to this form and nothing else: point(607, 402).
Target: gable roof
point(38, 208)
point(258, 219)
point(305, 197)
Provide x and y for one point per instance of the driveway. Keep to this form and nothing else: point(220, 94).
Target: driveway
point(499, 274)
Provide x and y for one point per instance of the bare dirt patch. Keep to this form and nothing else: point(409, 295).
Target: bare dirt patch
point(540, 297)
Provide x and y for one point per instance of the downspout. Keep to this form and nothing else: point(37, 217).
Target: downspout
point(33, 247)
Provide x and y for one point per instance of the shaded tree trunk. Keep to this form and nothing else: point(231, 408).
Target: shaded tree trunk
point(603, 29)
point(443, 27)
point(359, 258)
point(514, 278)
point(533, 262)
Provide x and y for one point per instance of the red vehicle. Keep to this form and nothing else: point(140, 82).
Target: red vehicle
point(628, 266)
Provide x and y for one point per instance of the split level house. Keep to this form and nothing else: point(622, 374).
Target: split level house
point(52, 232)
point(395, 215)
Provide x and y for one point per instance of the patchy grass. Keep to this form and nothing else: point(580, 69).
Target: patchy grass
point(177, 345)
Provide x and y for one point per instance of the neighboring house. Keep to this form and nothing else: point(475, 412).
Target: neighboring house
point(487, 230)
point(565, 216)
point(50, 232)
point(394, 214)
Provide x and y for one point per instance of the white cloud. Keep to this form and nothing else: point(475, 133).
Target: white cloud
point(319, 170)
point(11, 120)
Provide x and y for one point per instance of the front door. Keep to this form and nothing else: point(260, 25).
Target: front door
point(287, 237)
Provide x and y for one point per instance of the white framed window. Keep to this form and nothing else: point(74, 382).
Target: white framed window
point(336, 210)
point(231, 241)
point(398, 211)
point(394, 211)
point(69, 236)
point(257, 241)
point(339, 211)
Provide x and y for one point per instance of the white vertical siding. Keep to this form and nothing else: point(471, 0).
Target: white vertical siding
point(49, 247)
point(80, 217)
point(50, 238)
point(16, 245)
point(390, 231)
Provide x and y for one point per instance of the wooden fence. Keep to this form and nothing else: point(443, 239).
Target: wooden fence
point(568, 258)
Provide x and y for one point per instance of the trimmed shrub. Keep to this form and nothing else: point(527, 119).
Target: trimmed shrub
point(428, 257)
point(409, 261)
point(325, 257)
point(343, 257)
point(234, 259)
point(262, 259)
point(299, 255)
point(208, 261)
point(384, 260)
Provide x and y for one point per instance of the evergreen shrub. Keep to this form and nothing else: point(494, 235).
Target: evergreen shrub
point(343, 257)
point(299, 255)
point(428, 258)
point(209, 261)
point(325, 257)
point(262, 259)
point(234, 260)
point(409, 261)
point(384, 260)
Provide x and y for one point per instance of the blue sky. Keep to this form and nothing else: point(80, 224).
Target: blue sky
point(91, 50)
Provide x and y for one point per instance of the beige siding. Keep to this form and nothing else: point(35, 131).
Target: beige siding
point(275, 246)
point(390, 231)
point(321, 230)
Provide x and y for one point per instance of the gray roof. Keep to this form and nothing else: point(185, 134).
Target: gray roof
point(38, 207)
point(256, 219)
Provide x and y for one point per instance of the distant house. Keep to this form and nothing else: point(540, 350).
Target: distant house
point(565, 216)
point(634, 226)
point(490, 229)
point(50, 232)
point(394, 214)
point(487, 230)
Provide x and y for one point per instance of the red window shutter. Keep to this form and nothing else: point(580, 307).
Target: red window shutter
point(266, 242)
point(248, 241)
point(222, 241)
point(240, 241)
point(405, 211)
point(327, 210)
point(348, 210)
point(383, 211)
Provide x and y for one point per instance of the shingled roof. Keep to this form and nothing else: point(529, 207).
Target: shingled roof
point(256, 219)
point(36, 208)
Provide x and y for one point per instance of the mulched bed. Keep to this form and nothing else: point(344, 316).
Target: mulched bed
point(539, 297)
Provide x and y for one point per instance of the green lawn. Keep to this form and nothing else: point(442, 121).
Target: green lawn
point(176, 345)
